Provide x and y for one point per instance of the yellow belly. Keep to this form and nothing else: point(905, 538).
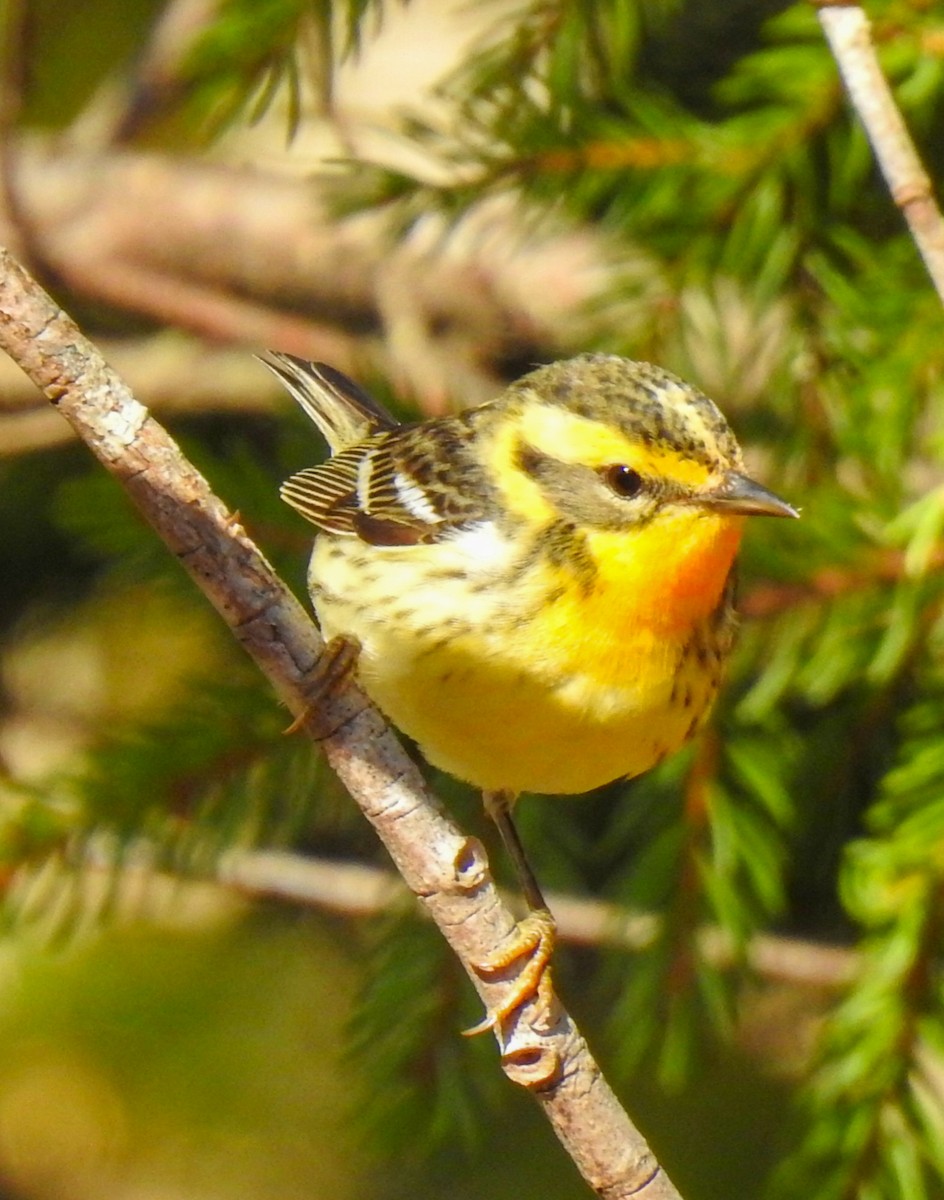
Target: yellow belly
point(539, 688)
point(498, 728)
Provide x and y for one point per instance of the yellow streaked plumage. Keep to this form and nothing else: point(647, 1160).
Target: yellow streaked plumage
point(540, 587)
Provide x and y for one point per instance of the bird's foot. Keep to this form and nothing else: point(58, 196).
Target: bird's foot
point(327, 677)
point(531, 943)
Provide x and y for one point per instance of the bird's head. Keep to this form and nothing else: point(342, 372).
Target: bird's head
point(639, 463)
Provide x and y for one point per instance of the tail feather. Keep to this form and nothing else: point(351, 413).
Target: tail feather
point(343, 412)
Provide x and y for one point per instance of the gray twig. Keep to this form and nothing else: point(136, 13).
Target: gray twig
point(848, 32)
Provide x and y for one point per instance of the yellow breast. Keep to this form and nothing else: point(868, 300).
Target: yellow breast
point(546, 686)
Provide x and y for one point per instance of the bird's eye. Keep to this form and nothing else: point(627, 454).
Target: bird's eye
point(623, 480)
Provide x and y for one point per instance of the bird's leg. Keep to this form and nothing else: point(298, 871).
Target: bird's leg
point(498, 806)
point(330, 672)
point(533, 937)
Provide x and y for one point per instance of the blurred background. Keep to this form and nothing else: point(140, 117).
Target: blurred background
point(434, 197)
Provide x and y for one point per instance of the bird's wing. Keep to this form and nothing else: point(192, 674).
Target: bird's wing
point(343, 412)
point(411, 485)
point(361, 492)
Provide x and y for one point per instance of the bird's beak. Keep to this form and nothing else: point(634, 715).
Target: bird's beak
point(738, 494)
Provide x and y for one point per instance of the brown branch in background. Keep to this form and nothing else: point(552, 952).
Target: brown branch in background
point(445, 869)
point(878, 567)
point(258, 257)
point(160, 71)
point(13, 60)
point(847, 30)
point(355, 889)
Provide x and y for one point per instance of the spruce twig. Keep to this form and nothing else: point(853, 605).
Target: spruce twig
point(847, 30)
point(444, 868)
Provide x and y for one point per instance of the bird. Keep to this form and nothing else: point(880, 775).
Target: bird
point(540, 589)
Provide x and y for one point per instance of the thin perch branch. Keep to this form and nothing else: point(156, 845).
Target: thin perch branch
point(445, 869)
point(847, 30)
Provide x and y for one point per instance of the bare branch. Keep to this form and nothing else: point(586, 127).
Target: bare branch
point(444, 868)
point(847, 30)
point(175, 376)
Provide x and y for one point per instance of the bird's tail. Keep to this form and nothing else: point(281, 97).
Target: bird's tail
point(342, 411)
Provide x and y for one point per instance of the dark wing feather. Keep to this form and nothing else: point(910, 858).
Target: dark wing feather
point(326, 495)
point(411, 485)
point(362, 492)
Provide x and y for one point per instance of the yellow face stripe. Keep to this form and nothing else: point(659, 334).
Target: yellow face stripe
point(572, 438)
point(521, 494)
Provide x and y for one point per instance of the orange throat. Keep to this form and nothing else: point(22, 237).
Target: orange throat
point(670, 575)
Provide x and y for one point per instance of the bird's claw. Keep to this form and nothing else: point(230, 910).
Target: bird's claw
point(333, 668)
point(532, 940)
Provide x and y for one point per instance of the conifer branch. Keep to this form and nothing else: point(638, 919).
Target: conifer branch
point(847, 30)
point(444, 868)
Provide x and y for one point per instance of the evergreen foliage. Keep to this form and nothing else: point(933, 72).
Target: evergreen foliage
point(776, 274)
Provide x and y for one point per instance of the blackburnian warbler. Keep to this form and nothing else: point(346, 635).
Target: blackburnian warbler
point(540, 588)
